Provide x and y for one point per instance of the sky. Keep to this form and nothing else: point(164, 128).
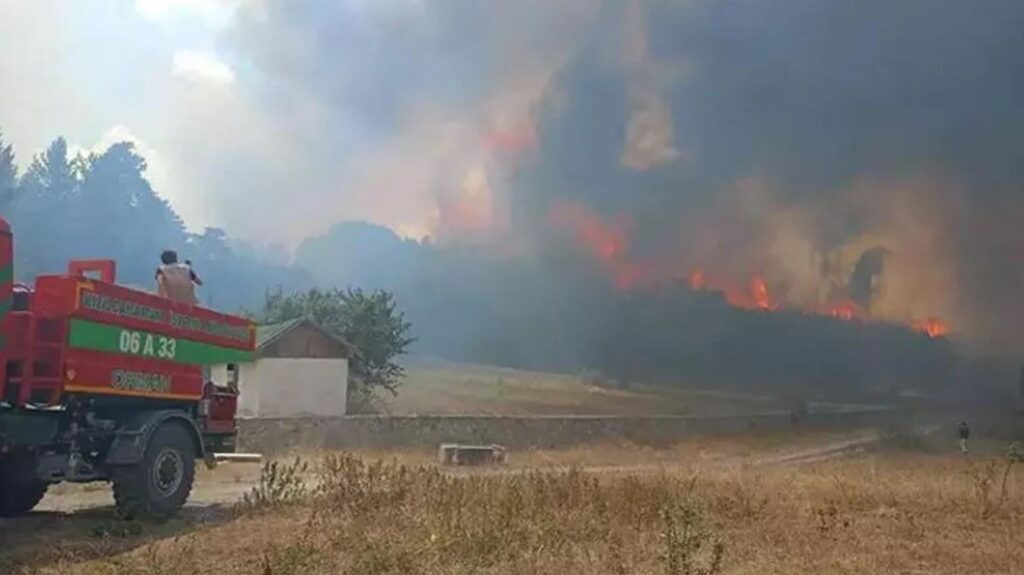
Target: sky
point(106, 71)
point(365, 110)
point(170, 76)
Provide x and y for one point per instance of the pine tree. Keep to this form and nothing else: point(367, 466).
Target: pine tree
point(8, 175)
point(39, 213)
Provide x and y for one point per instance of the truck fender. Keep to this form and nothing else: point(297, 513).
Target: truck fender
point(130, 441)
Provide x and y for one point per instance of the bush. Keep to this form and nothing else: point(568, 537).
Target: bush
point(279, 485)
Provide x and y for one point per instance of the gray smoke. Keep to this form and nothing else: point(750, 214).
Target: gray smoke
point(866, 273)
point(783, 138)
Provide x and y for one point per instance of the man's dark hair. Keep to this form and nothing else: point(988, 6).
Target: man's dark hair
point(169, 257)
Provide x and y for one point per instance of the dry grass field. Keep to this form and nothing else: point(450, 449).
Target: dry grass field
point(885, 511)
point(437, 387)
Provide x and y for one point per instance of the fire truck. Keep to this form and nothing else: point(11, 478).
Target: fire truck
point(106, 383)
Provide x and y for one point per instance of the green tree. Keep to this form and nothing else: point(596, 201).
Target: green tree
point(8, 175)
point(369, 320)
point(52, 174)
point(125, 218)
point(39, 212)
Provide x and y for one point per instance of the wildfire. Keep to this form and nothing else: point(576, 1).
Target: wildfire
point(755, 295)
point(932, 327)
point(607, 240)
point(697, 280)
point(762, 298)
point(628, 276)
point(845, 310)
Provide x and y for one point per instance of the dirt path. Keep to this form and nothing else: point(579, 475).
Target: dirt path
point(228, 483)
point(223, 485)
point(825, 451)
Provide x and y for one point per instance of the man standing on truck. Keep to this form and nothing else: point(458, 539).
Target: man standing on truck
point(176, 281)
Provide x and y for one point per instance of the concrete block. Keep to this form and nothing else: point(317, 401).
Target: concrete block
point(456, 454)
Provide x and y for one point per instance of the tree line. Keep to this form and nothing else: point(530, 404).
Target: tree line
point(100, 205)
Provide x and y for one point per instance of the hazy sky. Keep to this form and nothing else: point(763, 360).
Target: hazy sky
point(107, 70)
point(378, 110)
point(203, 88)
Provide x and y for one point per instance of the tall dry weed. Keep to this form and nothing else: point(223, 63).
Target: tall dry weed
point(279, 485)
point(382, 517)
point(690, 547)
point(868, 515)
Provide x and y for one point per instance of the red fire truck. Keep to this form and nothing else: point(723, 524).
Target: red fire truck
point(106, 383)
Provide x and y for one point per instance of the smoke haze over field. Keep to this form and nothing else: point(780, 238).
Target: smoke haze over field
point(840, 157)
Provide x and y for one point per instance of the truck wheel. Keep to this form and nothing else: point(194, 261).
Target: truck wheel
point(159, 485)
point(19, 494)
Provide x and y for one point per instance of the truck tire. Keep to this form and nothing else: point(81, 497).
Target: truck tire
point(19, 495)
point(158, 486)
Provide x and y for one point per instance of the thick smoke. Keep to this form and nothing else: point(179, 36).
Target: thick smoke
point(794, 141)
point(866, 273)
point(809, 130)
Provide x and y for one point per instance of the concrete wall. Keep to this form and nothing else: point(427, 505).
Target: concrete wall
point(284, 387)
point(271, 436)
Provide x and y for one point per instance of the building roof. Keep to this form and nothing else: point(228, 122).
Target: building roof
point(268, 334)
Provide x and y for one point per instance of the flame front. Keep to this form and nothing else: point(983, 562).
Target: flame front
point(607, 241)
point(844, 309)
point(762, 297)
point(932, 327)
point(755, 295)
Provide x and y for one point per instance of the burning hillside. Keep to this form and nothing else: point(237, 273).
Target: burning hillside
point(607, 242)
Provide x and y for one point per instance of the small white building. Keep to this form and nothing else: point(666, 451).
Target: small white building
point(300, 369)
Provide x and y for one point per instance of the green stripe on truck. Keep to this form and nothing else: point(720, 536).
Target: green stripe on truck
point(85, 334)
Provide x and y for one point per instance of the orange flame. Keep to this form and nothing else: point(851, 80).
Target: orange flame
point(753, 296)
point(606, 240)
point(932, 327)
point(762, 297)
point(757, 296)
point(844, 309)
point(697, 280)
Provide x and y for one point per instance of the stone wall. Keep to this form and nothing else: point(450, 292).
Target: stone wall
point(274, 436)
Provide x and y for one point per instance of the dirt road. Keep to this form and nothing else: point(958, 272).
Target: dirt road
point(229, 482)
point(221, 486)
